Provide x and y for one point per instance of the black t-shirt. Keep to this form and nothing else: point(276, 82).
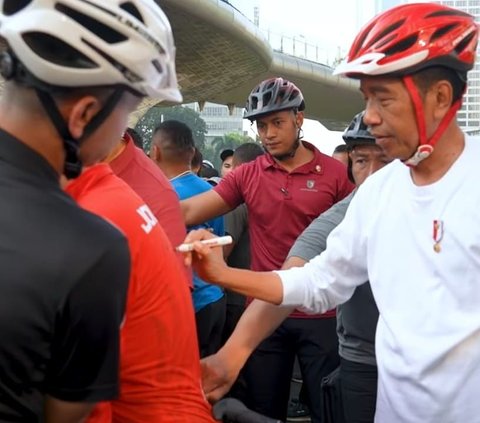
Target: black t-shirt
point(63, 283)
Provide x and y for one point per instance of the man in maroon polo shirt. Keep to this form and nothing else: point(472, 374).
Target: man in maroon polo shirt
point(284, 191)
point(131, 164)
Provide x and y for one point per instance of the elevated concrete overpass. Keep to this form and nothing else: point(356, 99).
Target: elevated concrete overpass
point(221, 56)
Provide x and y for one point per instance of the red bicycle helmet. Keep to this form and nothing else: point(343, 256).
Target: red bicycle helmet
point(273, 95)
point(411, 37)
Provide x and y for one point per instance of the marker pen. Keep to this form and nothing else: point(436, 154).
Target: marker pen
point(213, 242)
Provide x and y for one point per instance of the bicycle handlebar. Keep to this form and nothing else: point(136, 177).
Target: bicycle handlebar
point(231, 410)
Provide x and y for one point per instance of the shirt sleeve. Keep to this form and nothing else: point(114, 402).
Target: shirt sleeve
point(313, 239)
point(85, 352)
point(330, 278)
point(229, 187)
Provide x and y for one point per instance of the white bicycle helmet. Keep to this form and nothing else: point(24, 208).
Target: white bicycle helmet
point(87, 43)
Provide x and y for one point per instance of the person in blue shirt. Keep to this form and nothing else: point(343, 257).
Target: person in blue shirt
point(172, 150)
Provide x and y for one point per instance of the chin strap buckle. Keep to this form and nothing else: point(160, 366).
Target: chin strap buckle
point(423, 151)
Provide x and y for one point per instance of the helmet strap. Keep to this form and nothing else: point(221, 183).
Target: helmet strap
point(426, 146)
point(73, 164)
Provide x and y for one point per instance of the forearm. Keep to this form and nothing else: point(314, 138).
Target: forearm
point(265, 286)
point(203, 207)
point(258, 321)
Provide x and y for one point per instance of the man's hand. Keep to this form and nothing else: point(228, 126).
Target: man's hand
point(218, 376)
point(207, 261)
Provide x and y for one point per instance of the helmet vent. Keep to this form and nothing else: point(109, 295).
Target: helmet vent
point(127, 73)
point(450, 12)
point(10, 7)
point(386, 32)
point(293, 96)
point(99, 29)
point(267, 97)
point(403, 45)
point(56, 51)
point(386, 40)
point(360, 41)
point(130, 8)
point(442, 31)
point(462, 45)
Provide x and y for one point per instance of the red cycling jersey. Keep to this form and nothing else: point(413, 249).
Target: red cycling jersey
point(160, 368)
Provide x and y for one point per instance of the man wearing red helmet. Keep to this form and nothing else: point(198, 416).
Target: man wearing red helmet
point(412, 228)
point(284, 191)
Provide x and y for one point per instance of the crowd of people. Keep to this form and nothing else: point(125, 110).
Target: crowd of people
point(369, 282)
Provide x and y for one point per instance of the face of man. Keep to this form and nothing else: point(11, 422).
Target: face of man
point(366, 159)
point(279, 131)
point(390, 116)
point(100, 143)
point(227, 166)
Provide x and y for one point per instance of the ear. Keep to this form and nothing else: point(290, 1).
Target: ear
point(299, 119)
point(441, 96)
point(155, 153)
point(81, 114)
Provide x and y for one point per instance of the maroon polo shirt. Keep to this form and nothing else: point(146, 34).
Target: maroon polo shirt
point(149, 182)
point(282, 204)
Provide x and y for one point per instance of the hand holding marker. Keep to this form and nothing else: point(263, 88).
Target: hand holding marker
point(212, 242)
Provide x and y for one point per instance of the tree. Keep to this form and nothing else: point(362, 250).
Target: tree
point(218, 144)
point(155, 115)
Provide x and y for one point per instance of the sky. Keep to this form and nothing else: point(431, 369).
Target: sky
point(329, 25)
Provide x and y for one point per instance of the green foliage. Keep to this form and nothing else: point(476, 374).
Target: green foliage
point(232, 140)
point(155, 115)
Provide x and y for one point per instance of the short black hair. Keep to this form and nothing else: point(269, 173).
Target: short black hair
point(425, 78)
point(178, 144)
point(247, 152)
point(225, 154)
point(207, 171)
point(341, 148)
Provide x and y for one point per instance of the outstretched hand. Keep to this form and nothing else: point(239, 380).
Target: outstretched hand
point(207, 260)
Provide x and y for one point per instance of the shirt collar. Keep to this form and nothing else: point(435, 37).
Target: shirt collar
point(313, 166)
point(88, 179)
point(25, 159)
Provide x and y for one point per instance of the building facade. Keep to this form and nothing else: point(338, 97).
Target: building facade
point(218, 119)
point(469, 115)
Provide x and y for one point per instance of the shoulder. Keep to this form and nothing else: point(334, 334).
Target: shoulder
point(326, 163)
point(190, 185)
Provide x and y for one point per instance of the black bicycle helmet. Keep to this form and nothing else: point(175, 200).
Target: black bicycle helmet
point(273, 95)
point(357, 132)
